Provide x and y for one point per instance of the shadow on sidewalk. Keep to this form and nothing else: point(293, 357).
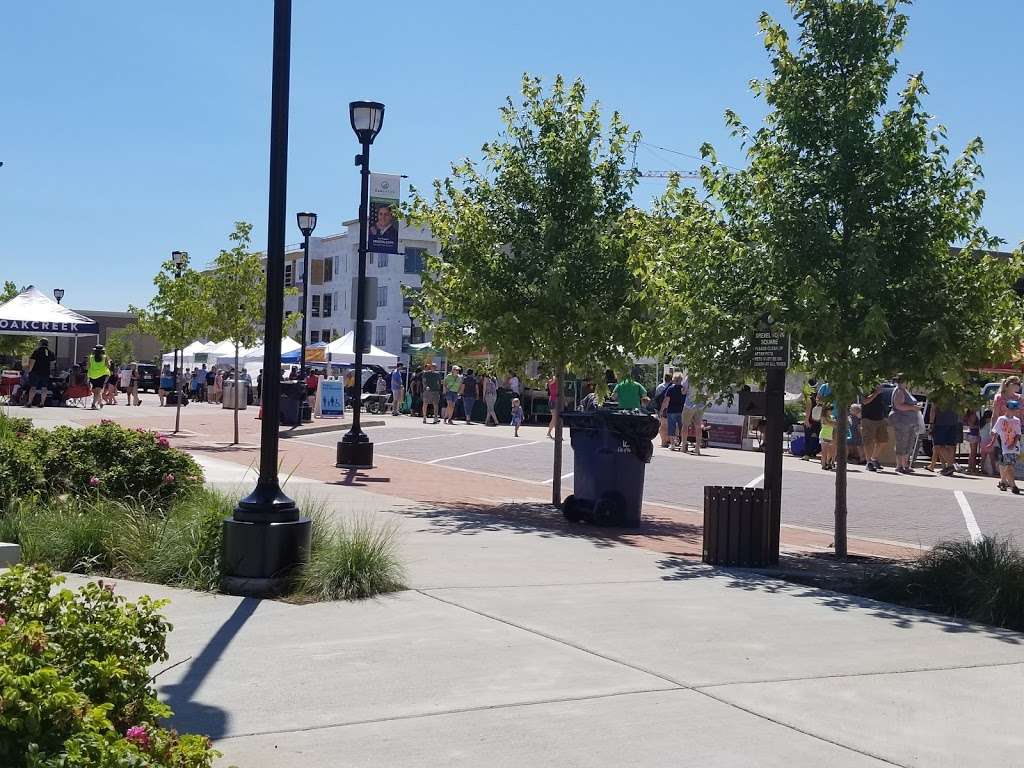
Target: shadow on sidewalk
point(193, 716)
point(819, 577)
point(358, 478)
point(547, 522)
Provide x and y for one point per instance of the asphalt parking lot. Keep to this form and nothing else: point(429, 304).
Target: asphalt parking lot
point(919, 510)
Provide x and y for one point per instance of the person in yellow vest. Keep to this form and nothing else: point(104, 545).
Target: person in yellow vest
point(98, 373)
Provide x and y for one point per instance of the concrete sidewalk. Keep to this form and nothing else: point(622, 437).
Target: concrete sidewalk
point(526, 646)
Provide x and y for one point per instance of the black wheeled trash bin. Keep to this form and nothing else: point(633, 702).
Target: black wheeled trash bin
point(610, 452)
point(292, 395)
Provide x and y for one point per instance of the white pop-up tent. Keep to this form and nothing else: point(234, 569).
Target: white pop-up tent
point(33, 313)
point(255, 355)
point(342, 351)
point(187, 356)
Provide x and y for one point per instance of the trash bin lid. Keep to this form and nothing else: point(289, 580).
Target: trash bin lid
point(637, 430)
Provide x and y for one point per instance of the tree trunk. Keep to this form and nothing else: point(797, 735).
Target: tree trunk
point(839, 437)
point(236, 395)
point(556, 477)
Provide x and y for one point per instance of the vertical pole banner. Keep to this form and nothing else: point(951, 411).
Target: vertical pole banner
point(382, 217)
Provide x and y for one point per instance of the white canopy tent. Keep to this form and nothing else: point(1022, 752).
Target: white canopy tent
point(255, 355)
point(186, 357)
point(33, 313)
point(342, 351)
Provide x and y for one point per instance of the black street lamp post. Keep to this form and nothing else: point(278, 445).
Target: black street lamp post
point(178, 258)
point(355, 451)
point(58, 294)
point(266, 538)
point(307, 223)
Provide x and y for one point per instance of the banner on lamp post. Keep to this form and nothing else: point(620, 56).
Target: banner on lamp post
point(382, 218)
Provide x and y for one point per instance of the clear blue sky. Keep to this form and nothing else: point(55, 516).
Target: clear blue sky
point(131, 129)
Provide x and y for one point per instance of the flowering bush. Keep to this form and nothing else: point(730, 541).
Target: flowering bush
point(74, 671)
point(115, 462)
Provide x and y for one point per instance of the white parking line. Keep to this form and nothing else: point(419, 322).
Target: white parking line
point(485, 450)
point(564, 477)
point(753, 483)
point(421, 437)
point(965, 509)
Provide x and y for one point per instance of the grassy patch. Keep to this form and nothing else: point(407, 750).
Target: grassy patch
point(353, 560)
point(978, 581)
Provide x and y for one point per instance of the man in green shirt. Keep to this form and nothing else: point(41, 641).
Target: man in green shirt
point(452, 384)
point(431, 392)
point(629, 394)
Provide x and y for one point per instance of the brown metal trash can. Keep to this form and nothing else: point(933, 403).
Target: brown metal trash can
point(737, 526)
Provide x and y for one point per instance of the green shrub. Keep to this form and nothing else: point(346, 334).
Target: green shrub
point(12, 426)
point(74, 671)
point(353, 560)
point(980, 581)
point(21, 472)
point(112, 461)
point(67, 535)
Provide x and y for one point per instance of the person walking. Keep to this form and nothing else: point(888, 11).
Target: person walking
point(513, 384)
point(98, 374)
point(490, 386)
point(1009, 391)
point(972, 421)
point(468, 390)
point(124, 380)
point(659, 396)
point(166, 383)
point(906, 420)
point(416, 391)
point(629, 394)
point(218, 386)
point(40, 362)
point(397, 389)
point(133, 385)
point(1007, 431)
point(552, 402)
point(693, 417)
point(517, 416)
point(431, 392)
point(672, 402)
point(874, 426)
point(947, 432)
point(452, 385)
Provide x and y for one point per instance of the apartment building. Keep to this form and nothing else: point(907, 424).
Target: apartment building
point(334, 264)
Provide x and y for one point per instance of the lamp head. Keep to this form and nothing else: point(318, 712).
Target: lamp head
point(367, 117)
point(307, 222)
point(58, 294)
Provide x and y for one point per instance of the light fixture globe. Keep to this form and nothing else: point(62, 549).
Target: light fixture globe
point(307, 223)
point(58, 294)
point(367, 118)
point(178, 257)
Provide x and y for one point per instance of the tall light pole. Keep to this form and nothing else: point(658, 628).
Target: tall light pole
point(179, 259)
point(355, 451)
point(307, 223)
point(266, 538)
point(58, 294)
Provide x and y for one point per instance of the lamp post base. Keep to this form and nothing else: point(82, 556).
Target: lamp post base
point(355, 451)
point(260, 558)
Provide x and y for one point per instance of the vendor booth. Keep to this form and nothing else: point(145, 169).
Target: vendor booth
point(341, 351)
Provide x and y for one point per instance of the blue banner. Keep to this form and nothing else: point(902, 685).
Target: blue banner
point(330, 398)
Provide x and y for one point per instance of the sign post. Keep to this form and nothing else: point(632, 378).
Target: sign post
point(771, 352)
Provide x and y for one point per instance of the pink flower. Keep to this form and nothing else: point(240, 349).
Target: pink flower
point(168, 479)
point(163, 442)
point(139, 736)
point(3, 621)
point(106, 421)
point(94, 482)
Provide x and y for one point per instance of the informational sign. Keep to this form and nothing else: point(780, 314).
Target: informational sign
point(201, 358)
point(771, 348)
point(725, 430)
point(383, 214)
point(330, 399)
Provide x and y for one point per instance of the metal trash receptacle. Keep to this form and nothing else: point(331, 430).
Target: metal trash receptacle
point(228, 396)
point(737, 526)
point(611, 450)
point(292, 395)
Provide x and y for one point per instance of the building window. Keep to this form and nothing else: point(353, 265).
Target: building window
point(382, 260)
point(314, 337)
point(414, 258)
point(289, 274)
point(325, 336)
point(315, 311)
point(380, 336)
point(382, 295)
point(416, 335)
point(328, 269)
point(327, 305)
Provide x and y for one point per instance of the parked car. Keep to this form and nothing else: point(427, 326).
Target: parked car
point(149, 377)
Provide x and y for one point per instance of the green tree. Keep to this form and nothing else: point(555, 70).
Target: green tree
point(840, 227)
point(177, 315)
point(533, 261)
point(235, 291)
point(11, 344)
point(120, 345)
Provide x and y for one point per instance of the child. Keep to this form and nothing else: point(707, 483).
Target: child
point(517, 415)
point(973, 439)
point(828, 447)
point(855, 447)
point(1007, 429)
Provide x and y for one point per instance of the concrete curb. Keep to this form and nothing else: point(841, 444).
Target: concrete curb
point(10, 554)
point(339, 427)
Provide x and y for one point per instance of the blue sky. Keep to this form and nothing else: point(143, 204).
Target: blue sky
point(132, 129)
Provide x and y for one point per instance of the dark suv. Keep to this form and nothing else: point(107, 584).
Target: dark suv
point(149, 377)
